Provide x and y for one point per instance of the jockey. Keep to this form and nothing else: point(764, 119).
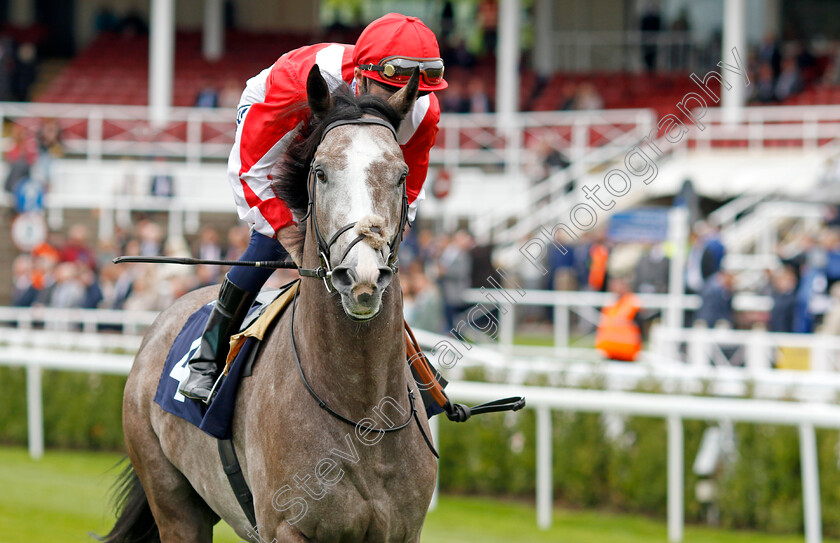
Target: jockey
point(380, 63)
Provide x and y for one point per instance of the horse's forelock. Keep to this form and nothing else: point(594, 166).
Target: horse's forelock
point(292, 171)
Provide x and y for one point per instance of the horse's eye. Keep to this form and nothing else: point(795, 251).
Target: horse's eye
point(402, 178)
point(321, 176)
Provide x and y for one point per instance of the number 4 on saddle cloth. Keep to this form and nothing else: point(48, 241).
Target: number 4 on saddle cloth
point(216, 418)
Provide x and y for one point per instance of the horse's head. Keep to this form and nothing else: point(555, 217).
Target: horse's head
point(357, 187)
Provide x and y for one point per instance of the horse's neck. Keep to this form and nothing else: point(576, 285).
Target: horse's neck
point(351, 364)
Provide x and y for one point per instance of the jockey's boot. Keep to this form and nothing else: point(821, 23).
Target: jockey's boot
point(208, 361)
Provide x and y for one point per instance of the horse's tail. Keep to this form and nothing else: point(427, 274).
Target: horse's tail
point(135, 523)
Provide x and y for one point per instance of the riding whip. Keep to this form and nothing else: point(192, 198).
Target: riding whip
point(287, 264)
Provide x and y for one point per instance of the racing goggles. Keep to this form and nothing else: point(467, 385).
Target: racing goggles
point(398, 70)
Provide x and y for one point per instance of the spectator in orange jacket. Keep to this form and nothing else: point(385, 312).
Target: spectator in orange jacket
point(618, 335)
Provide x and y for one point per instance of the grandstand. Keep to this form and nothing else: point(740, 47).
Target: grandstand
point(571, 129)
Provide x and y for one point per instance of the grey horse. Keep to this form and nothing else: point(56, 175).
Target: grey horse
point(313, 477)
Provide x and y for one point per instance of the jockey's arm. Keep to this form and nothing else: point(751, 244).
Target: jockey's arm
point(265, 118)
point(423, 121)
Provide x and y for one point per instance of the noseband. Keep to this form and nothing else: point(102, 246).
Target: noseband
point(324, 271)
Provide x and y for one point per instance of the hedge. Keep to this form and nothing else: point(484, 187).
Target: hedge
point(594, 465)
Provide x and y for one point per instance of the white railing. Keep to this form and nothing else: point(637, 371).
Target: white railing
point(674, 409)
point(758, 348)
point(806, 127)
point(760, 229)
point(563, 367)
point(95, 132)
point(88, 320)
point(587, 306)
point(726, 215)
point(478, 139)
point(117, 188)
point(581, 367)
point(198, 141)
point(73, 341)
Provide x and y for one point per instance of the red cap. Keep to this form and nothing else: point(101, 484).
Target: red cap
point(395, 35)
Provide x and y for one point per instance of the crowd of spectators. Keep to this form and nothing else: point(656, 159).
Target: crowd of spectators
point(784, 70)
point(72, 271)
point(29, 157)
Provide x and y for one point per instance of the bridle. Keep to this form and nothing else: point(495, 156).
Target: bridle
point(324, 271)
point(359, 425)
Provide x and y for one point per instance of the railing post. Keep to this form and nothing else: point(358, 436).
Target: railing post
point(810, 133)
point(194, 126)
point(698, 348)
point(810, 483)
point(507, 326)
point(106, 220)
point(819, 354)
point(434, 429)
point(754, 135)
point(757, 348)
point(451, 142)
point(678, 238)
point(514, 143)
point(580, 137)
point(561, 328)
point(176, 219)
point(657, 338)
point(545, 480)
point(34, 411)
point(24, 320)
point(89, 324)
point(94, 134)
point(676, 479)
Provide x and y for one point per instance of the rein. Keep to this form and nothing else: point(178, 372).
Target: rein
point(323, 405)
point(324, 271)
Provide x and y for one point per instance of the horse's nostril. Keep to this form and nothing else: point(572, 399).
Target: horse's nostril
point(385, 277)
point(343, 278)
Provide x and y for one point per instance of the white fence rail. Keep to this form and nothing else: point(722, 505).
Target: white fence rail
point(808, 127)
point(564, 367)
point(759, 347)
point(198, 135)
point(674, 409)
point(89, 320)
point(588, 304)
point(577, 367)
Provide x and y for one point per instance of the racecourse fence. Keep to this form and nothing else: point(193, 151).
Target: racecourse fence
point(36, 350)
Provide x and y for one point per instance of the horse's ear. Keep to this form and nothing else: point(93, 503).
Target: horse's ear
point(403, 100)
point(317, 92)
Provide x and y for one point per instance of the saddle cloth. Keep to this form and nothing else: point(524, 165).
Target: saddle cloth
point(216, 419)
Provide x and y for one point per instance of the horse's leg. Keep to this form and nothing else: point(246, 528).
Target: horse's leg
point(181, 514)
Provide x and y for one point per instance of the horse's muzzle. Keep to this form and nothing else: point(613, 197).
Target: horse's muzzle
point(361, 297)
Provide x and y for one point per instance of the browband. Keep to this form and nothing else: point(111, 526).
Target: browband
point(362, 120)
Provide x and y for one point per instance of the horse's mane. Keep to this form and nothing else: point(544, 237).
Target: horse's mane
point(293, 169)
